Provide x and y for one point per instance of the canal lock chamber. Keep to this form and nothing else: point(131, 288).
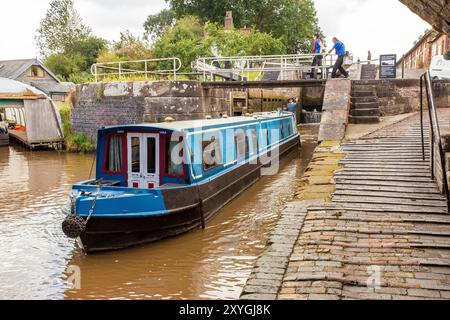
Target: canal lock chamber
point(311, 105)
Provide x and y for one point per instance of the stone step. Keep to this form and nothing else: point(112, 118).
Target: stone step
point(365, 105)
point(363, 87)
point(368, 67)
point(365, 112)
point(368, 77)
point(363, 93)
point(364, 99)
point(364, 119)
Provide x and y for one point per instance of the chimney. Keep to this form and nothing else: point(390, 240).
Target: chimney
point(229, 20)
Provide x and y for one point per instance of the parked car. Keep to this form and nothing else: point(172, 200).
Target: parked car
point(440, 68)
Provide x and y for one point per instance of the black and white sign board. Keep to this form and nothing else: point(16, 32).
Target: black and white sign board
point(388, 66)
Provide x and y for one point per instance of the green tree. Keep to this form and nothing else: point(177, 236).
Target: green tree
point(128, 47)
point(184, 40)
point(75, 63)
point(157, 24)
point(62, 65)
point(189, 40)
point(234, 43)
point(292, 21)
point(61, 28)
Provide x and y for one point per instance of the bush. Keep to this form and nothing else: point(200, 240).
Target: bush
point(80, 143)
point(73, 142)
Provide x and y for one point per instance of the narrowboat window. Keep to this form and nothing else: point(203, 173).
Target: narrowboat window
point(267, 138)
point(114, 153)
point(135, 154)
point(151, 155)
point(241, 145)
point(254, 140)
point(174, 166)
point(211, 153)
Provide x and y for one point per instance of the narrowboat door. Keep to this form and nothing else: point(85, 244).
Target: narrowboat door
point(143, 160)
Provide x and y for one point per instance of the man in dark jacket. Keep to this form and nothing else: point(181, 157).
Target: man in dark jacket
point(340, 51)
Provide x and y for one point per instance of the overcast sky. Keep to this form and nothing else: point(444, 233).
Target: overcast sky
point(383, 26)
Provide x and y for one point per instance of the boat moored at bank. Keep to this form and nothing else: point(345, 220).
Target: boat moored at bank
point(159, 180)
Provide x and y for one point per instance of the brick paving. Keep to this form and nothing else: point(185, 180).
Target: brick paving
point(384, 235)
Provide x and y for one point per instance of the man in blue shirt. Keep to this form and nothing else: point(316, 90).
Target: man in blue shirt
point(340, 51)
point(291, 106)
point(317, 50)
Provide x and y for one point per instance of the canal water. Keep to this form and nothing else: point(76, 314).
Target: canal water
point(36, 258)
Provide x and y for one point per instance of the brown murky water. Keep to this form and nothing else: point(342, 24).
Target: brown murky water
point(204, 264)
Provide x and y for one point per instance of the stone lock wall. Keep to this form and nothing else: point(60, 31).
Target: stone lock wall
point(398, 96)
point(101, 104)
point(441, 91)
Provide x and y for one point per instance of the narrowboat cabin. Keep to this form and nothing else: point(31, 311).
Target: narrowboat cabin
point(159, 180)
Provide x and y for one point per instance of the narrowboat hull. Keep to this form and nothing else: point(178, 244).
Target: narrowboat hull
point(185, 210)
point(4, 139)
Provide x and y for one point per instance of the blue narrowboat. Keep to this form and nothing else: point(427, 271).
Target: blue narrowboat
point(159, 180)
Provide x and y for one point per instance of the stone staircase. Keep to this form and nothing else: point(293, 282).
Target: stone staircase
point(368, 72)
point(365, 108)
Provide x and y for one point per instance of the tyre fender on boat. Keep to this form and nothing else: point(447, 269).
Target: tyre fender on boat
point(73, 226)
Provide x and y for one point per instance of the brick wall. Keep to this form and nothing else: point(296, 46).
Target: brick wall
point(100, 104)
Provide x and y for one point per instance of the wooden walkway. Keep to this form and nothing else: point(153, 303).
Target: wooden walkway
point(385, 235)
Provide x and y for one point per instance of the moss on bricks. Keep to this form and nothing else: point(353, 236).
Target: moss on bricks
point(318, 183)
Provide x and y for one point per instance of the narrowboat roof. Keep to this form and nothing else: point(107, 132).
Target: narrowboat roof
point(206, 123)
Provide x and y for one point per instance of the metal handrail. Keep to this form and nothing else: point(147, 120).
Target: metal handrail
point(117, 68)
point(435, 132)
point(240, 66)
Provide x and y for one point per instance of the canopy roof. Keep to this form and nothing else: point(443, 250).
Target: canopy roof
point(12, 89)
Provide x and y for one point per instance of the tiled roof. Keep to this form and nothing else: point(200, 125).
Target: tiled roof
point(12, 69)
point(48, 88)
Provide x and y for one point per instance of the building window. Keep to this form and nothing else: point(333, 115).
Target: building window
point(36, 72)
point(58, 97)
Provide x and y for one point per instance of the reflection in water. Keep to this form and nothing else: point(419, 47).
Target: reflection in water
point(210, 263)
point(33, 250)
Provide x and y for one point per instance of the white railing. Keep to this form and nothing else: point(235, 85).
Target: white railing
point(254, 67)
point(166, 67)
point(248, 68)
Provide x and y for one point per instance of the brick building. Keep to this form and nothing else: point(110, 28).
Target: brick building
point(431, 44)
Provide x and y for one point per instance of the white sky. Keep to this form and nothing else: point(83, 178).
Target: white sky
point(383, 26)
